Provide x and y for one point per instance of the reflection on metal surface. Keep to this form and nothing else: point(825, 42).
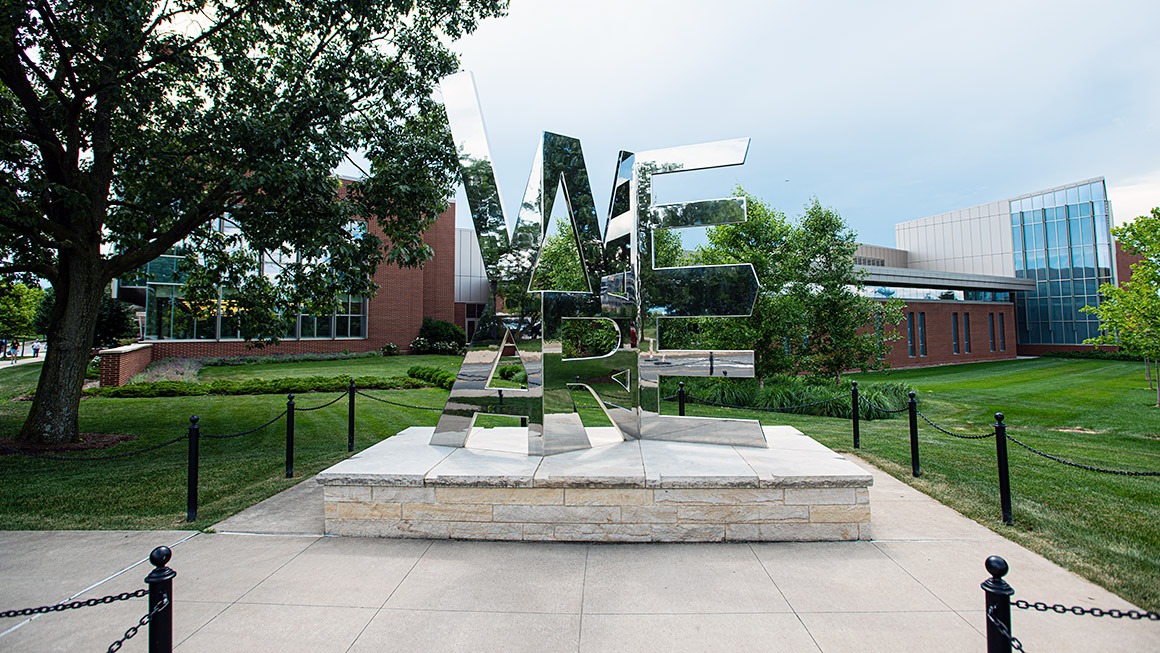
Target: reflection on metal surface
point(611, 392)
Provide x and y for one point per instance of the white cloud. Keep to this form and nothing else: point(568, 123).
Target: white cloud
point(1134, 197)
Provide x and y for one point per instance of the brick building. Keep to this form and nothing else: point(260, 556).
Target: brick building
point(393, 315)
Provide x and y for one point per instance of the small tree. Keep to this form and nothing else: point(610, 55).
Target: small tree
point(828, 292)
point(1130, 314)
point(18, 305)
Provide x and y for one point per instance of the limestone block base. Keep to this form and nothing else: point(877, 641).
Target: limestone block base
point(630, 492)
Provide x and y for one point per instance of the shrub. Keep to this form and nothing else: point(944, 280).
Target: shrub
point(433, 375)
point(795, 394)
point(292, 385)
point(508, 372)
point(1098, 354)
point(284, 358)
point(93, 370)
point(422, 345)
point(442, 331)
point(389, 349)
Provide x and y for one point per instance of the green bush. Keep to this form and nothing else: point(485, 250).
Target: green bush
point(292, 385)
point(794, 394)
point(508, 372)
point(433, 375)
point(389, 349)
point(288, 358)
point(442, 331)
point(1098, 354)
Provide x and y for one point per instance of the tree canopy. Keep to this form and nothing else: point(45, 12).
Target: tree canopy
point(132, 126)
point(18, 306)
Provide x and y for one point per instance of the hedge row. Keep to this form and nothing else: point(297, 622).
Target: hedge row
point(793, 393)
point(433, 375)
point(1099, 354)
point(288, 358)
point(255, 386)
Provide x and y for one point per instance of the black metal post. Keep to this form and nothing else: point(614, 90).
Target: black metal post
point(913, 406)
point(191, 473)
point(1004, 479)
point(854, 399)
point(681, 398)
point(160, 582)
point(524, 422)
point(998, 606)
point(289, 436)
point(350, 417)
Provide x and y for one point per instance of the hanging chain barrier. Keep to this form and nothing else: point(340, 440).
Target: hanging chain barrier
point(341, 395)
point(1015, 643)
point(81, 459)
point(144, 621)
point(880, 408)
point(1090, 468)
point(360, 392)
point(689, 397)
point(1040, 606)
point(253, 430)
point(87, 603)
point(955, 435)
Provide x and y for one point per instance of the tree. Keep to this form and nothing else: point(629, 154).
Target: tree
point(762, 240)
point(811, 314)
point(130, 126)
point(1130, 314)
point(18, 304)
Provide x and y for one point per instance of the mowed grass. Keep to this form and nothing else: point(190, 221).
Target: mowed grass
point(1101, 526)
point(148, 491)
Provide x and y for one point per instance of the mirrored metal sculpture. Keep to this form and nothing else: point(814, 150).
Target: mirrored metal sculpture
point(576, 395)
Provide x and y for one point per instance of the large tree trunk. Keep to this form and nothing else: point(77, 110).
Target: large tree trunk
point(54, 415)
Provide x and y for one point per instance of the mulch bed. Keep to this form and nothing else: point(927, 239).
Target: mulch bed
point(88, 441)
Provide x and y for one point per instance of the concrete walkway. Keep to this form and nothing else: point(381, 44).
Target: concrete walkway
point(914, 587)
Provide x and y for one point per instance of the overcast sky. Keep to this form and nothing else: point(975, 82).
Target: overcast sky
point(886, 111)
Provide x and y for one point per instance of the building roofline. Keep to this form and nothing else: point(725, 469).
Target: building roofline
point(939, 280)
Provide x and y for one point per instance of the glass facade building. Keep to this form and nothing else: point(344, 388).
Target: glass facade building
point(169, 316)
point(1062, 241)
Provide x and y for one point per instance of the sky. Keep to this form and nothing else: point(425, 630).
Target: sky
point(885, 111)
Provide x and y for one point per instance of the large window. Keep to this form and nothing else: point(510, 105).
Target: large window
point(1062, 240)
point(1002, 333)
point(168, 316)
point(991, 324)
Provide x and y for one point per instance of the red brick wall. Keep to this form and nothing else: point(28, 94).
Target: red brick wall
point(121, 363)
point(394, 315)
point(1039, 350)
point(1124, 263)
point(939, 342)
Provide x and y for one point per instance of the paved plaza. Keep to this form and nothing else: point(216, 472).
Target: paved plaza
point(266, 580)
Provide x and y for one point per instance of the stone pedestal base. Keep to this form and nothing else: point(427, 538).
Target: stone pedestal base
point(638, 491)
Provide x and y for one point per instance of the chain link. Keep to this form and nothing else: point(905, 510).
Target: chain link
point(87, 603)
point(954, 435)
point(1015, 643)
point(359, 392)
point(1095, 612)
point(1089, 468)
point(329, 403)
point(238, 435)
point(161, 605)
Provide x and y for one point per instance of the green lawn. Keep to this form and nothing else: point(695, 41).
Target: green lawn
point(148, 491)
point(1104, 527)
